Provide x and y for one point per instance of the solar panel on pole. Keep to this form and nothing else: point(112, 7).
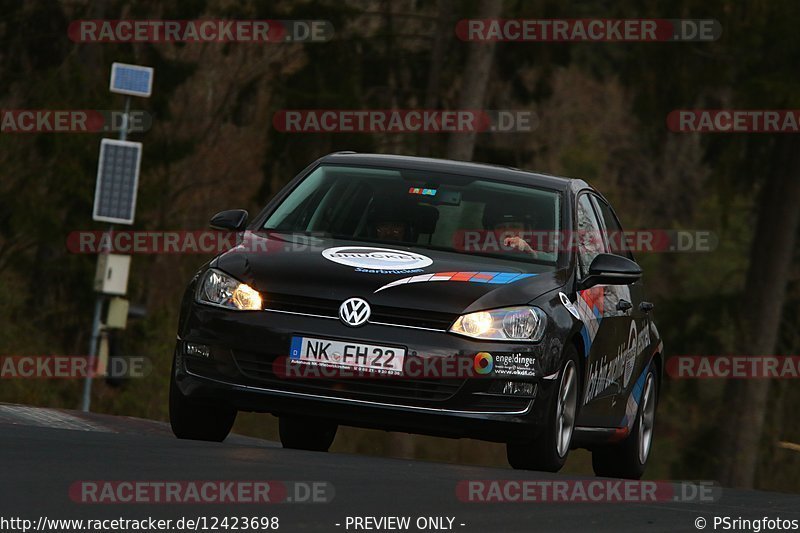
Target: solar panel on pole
point(117, 181)
point(132, 80)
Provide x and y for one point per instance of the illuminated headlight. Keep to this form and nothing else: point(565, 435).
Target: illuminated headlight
point(510, 324)
point(218, 288)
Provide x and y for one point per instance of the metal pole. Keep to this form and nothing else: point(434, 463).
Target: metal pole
point(87, 384)
point(123, 131)
point(98, 303)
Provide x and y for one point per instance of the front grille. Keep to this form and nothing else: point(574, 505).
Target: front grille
point(302, 304)
point(412, 317)
point(391, 389)
point(387, 315)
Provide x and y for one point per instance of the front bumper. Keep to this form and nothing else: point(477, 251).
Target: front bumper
point(243, 346)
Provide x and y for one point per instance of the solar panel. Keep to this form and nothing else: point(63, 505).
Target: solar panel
point(131, 79)
point(117, 181)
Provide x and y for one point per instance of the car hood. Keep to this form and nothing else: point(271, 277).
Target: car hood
point(283, 266)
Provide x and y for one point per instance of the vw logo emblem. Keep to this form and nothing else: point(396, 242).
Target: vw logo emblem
point(354, 312)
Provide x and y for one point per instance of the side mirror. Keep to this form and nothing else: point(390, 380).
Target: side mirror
point(233, 219)
point(610, 269)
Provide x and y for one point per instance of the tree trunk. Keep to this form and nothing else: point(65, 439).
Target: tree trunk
point(474, 80)
point(761, 309)
point(441, 38)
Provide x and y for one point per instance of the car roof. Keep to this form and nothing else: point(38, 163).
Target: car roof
point(480, 170)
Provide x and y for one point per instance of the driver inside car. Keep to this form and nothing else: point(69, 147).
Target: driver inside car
point(391, 231)
point(388, 222)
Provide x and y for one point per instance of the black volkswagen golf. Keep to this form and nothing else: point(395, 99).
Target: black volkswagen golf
point(426, 296)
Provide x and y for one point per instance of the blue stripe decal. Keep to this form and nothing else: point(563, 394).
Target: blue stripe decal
point(587, 342)
point(638, 388)
point(503, 277)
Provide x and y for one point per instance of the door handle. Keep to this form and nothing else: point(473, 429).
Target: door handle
point(646, 307)
point(624, 305)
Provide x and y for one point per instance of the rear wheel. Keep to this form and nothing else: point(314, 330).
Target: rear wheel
point(198, 419)
point(306, 433)
point(628, 458)
point(548, 452)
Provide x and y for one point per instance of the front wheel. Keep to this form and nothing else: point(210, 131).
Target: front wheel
point(628, 459)
point(306, 433)
point(198, 419)
point(549, 451)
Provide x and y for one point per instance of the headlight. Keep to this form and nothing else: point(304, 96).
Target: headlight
point(512, 323)
point(218, 288)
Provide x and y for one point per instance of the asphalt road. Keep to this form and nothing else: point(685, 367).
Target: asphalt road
point(45, 452)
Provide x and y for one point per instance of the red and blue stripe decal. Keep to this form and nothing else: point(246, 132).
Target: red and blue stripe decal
point(495, 278)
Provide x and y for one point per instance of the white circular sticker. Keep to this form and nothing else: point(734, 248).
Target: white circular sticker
point(630, 360)
point(376, 258)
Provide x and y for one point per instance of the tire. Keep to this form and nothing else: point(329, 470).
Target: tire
point(549, 451)
point(628, 459)
point(306, 433)
point(198, 419)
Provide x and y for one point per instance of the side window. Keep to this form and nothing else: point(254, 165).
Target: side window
point(589, 238)
point(615, 237)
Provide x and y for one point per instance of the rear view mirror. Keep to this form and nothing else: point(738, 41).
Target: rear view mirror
point(610, 269)
point(232, 219)
point(448, 198)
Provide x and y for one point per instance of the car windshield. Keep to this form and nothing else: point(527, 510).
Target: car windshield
point(416, 208)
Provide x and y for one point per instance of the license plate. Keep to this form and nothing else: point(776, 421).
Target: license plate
point(344, 354)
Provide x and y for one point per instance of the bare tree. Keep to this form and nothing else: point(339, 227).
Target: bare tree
point(442, 35)
point(765, 292)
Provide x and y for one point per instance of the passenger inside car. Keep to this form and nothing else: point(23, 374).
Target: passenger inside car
point(512, 225)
